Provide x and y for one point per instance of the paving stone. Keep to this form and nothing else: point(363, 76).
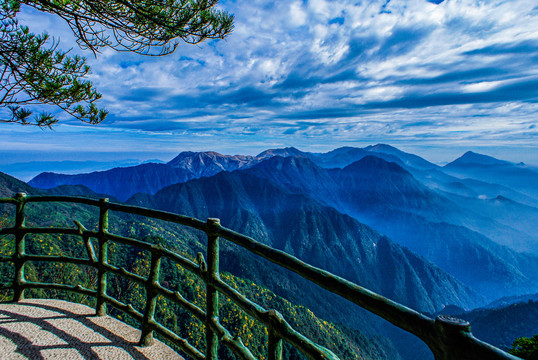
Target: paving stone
point(54, 329)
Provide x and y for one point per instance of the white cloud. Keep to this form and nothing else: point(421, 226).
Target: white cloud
point(481, 86)
point(298, 16)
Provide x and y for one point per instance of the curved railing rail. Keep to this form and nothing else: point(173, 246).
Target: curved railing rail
point(447, 337)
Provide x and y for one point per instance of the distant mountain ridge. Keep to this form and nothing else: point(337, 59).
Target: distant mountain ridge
point(150, 178)
point(472, 158)
point(118, 182)
point(491, 170)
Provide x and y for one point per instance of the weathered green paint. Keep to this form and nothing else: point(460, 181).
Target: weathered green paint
point(18, 256)
point(212, 300)
point(448, 338)
point(146, 338)
point(100, 307)
point(87, 241)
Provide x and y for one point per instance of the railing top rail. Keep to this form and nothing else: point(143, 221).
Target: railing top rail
point(398, 314)
point(9, 200)
point(131, 209)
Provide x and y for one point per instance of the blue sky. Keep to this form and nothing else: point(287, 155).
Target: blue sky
point(432, 79)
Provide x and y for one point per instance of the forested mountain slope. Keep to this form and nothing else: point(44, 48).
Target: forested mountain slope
point(317, 234)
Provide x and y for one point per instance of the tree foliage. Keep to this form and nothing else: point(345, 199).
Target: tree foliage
point(34, 72)
point(526, 348)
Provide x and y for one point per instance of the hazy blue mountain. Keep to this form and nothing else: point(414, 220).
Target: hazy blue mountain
point(505, 221)
point(501, 326)
point(491, 170)
point(370, 184)
point(490, 268)
point(123, 182)
point(376, 183)
point(118, 182)
point(438, 180)
point(506, 216)
point(27, 170)
point(409, 160)
point(314, 233)
point(342, 157)
point(471, 159)
point(388, 198)
point(373, 181)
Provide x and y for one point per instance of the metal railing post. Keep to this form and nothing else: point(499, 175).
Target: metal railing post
point(453, 340)
point(212, 300)
point(18, 256)
point(100, 307)
point(146, 338)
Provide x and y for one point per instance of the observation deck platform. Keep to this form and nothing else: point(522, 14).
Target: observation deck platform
point(39, 329)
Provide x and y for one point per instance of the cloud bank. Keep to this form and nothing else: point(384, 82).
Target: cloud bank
point(331, 72)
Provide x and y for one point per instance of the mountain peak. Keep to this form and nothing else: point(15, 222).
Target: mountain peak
point(374, 163)
point(294, 161)
point(382, 148)
point(189, 159)
point(285, 152)
point(182, 156)
point(401, 157)
point(471, 157)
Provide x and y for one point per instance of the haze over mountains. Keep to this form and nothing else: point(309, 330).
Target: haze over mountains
point(461, 216)
point(314, 233)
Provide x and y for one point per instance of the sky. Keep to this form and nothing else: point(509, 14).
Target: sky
point(432, 79)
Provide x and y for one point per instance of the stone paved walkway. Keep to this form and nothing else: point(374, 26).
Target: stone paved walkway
point(54, 329)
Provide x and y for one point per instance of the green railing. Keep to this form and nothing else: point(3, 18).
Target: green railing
point(447, 337)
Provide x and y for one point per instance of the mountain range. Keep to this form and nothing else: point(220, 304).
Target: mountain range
point(388, 198)
point(307, 229)
point(123, 182)
point(488, 242)
point(427, 236)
